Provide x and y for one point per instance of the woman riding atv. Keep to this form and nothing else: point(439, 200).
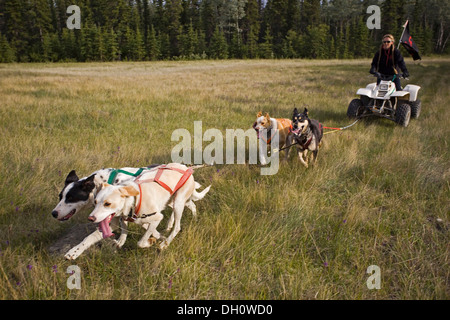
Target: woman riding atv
point(387, 60)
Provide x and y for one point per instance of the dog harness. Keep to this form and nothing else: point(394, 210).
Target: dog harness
point(305, 141)
point(185, 176)
point(284, 124)
point(115, 172)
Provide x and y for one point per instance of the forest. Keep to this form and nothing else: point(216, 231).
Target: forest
point(141, 30)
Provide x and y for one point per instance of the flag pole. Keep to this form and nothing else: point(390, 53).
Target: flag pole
point(404, 28)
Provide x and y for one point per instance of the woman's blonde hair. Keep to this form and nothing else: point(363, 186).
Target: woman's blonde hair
point(390, 36)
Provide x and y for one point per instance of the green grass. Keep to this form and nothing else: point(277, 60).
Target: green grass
point(378, 195)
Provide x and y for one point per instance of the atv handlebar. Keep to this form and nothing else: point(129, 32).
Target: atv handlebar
point(388, 77)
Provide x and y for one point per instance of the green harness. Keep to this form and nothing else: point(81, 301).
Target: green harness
point(115, 172)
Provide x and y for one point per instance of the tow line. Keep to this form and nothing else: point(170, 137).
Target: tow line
point(334, 130)
point(340, 129)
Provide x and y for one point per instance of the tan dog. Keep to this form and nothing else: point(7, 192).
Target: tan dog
point(141, 201)
point(269, 129)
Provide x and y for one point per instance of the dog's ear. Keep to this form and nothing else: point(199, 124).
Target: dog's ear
point(259, 114)
point(305, 112)
point(128, 191)
point(267, 116)
point(88, 184)
point(71, 177)
point(295, 111)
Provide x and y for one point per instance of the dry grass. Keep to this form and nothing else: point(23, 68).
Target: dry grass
point(374, 198)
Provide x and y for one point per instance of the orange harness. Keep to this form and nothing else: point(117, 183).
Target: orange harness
point(284, 124)
point(185, 176)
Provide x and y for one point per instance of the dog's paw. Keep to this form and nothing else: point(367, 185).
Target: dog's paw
point(73, 253)
point(119, 243)
point(151, 241)
point(163, 245)
point(147, 243)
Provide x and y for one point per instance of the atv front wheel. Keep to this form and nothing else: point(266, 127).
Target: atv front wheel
point(355, 108)
point(403, 114)
point(416, 107)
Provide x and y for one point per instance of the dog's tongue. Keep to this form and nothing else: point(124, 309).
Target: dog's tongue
point(105, 228)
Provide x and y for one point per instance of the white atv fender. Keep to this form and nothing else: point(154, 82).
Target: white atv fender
point(400, 94)
point(410, 90)
point(413, 91)
point(367, 91)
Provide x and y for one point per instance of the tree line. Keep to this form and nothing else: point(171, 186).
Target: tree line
point(36, 30)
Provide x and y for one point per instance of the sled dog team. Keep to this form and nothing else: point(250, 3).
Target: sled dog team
point(139, 195)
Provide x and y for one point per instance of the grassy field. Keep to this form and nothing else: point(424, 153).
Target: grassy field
point(379, 194)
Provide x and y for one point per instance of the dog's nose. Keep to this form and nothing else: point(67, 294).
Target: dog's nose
point(91, 218)
point(55, 214)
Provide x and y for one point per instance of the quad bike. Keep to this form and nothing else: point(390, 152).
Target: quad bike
point(385, 101)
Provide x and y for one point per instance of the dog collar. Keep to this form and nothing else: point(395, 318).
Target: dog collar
point(134, 213)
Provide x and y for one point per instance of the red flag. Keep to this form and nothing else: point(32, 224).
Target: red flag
point(409, 44)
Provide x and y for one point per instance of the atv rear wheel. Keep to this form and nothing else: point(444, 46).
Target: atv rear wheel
point(403, 114)
point(416, 107)
point(355, 108)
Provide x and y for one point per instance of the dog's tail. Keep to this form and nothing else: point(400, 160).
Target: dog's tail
point(199, 195)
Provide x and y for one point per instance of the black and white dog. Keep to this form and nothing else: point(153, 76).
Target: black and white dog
point(78, 194)
point(307, 135)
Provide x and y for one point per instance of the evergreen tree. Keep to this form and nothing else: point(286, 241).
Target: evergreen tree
point(160, 23)
point(67, 44)
point(139, 53)
point(88, 42)
point(318, 41)
point(173, 13)
point(275, 16)
point(164, 45)
point(251, 23)
point(393, 17)
point(265, 48)
point(252, 44)
point(152, 46)
point(201, 44)
point(15, 27)
point(236, 46)
point(310, 14)
point(6, 51)
point(188, 41)
point(207, 19)
point(218, 48)
point(360, 39)
point(292, 45)
point(111, 45)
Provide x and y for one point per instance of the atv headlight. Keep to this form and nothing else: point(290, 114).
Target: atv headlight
point(383, 86)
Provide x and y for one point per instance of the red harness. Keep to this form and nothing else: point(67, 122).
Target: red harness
point(185, 176)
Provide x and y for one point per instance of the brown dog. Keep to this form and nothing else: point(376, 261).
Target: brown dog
point(268, 129)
